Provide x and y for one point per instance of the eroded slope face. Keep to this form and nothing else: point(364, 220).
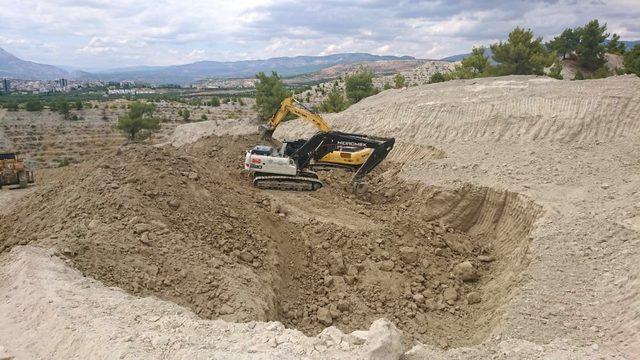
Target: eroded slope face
point(506, 109)
point(185, 225)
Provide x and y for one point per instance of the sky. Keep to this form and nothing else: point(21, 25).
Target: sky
point(95, 34)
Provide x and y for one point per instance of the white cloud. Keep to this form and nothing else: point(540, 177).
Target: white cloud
point(103, 33)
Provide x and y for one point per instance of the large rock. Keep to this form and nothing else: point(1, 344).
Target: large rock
point(466, 271)
point(408, 254)
point(324, 316)
point(383, 341)
point(337, 264)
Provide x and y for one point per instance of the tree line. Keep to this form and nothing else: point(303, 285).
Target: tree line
point(525, 54)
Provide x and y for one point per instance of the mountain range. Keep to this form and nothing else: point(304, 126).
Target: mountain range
point(13, 67)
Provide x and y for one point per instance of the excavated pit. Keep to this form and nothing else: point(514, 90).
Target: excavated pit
point(186, 226)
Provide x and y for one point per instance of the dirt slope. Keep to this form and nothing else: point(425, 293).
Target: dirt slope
point(572, 148)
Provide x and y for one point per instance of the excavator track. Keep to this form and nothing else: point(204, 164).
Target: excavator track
point(289, 183)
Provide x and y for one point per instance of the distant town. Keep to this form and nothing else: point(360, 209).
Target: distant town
point(41, 87)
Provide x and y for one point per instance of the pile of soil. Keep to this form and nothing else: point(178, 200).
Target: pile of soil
point(186, 225)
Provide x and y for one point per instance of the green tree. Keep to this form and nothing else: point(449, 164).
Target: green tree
point(270, 92)
point(476, 63)
point(632, 60)
point(566, 43)
point(399, 81)
point(139, 117)
point(556, 70)
point(79, 105)
point(590, 49)
point(521, 54)
point(335, 101)
point(614, 46)
point(215, 101)
point(436, 78)
point(33, 105)
point(359, 85)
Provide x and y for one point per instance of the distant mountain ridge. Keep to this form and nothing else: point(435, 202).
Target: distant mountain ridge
point(285, 66)
point(13, 67)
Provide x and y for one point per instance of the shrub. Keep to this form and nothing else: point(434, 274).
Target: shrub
point(556, 70)
point(33, 105)
point(11, 106)
point(399, 81)
point(579, 75)
point(436, 78)
point(601, 73)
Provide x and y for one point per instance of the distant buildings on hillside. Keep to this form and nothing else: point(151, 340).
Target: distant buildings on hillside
point(45, 86)
point(130, 91)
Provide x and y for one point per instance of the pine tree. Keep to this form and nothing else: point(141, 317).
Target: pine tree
point(591, 50)
point(521, 54)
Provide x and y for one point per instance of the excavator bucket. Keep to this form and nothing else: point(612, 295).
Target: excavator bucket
point(266, 132)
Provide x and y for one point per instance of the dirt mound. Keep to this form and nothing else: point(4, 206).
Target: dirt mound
point(185, 225)
point(507, 109)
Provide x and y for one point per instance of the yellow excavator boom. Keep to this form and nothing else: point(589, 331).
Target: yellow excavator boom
point(287, 106)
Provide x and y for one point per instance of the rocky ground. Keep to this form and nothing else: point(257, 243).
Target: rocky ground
point(504, 224)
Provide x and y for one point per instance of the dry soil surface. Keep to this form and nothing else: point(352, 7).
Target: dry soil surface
point(505, 225)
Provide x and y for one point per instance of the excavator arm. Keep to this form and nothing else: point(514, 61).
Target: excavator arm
point(323, 143)
point(291, 106)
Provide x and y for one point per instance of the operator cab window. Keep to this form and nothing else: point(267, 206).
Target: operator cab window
point(262, 150)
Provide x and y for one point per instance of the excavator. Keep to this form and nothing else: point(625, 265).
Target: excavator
point(287, 168)
point(341, 157)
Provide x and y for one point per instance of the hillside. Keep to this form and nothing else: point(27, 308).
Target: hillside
point(14, 67)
